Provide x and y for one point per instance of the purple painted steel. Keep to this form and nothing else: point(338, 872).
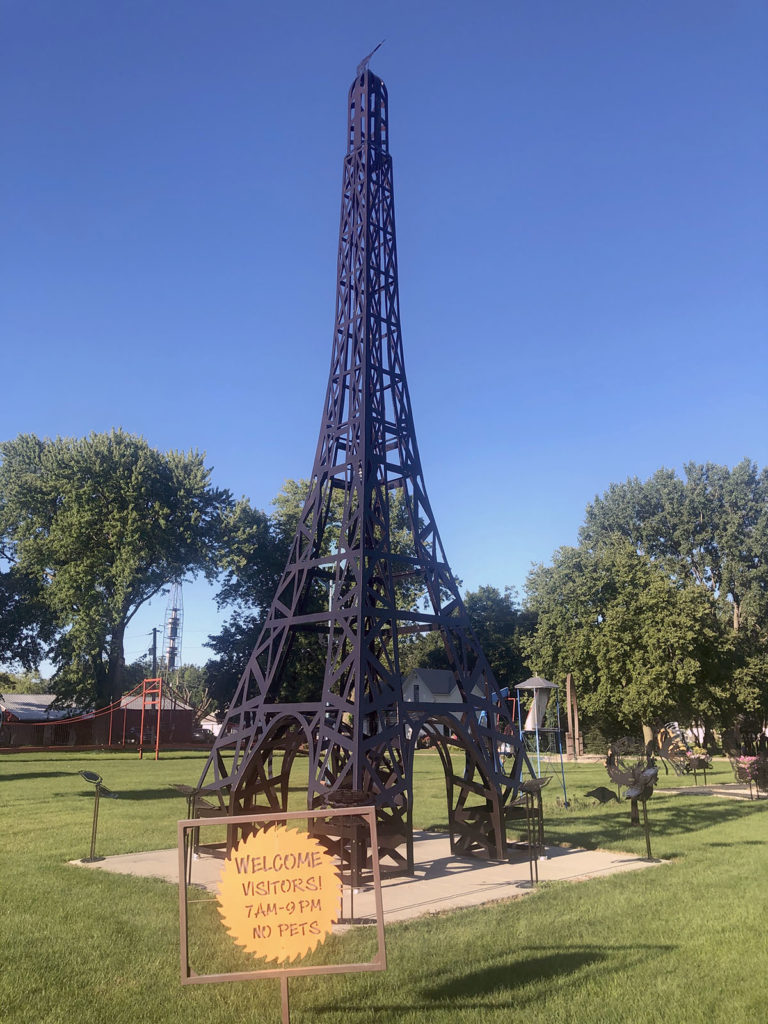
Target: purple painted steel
point(358, 598)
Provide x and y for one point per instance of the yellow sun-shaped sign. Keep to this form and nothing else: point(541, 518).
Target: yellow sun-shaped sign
point(279, 894)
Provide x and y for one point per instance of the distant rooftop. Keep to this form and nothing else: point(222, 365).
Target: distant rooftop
point(439, 680)
point(133, 702)
point(34, 707)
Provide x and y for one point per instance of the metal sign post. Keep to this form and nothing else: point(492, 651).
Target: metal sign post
point(284, 1004)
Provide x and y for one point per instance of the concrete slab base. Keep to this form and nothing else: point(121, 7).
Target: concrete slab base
point(441, 880)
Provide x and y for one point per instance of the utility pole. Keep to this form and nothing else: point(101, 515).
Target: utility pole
point(154, 652)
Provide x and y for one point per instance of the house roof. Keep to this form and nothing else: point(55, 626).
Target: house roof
point(437, 680)
point(34, 707)
point(133, 702)
point(440, 682)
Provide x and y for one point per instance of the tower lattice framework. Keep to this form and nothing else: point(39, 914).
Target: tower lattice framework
point(385, 578)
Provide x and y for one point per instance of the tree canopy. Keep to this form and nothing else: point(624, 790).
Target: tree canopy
point(26, 623)
point(712, 527)
point(96, 526)
point(22, 682)
point(642, 646)
point(660, 611)
point(255, 547)
point(499, 624)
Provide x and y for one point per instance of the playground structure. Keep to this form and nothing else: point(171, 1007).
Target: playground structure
point(541, 730)
point(349, 598)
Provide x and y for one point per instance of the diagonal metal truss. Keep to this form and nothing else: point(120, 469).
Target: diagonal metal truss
point(385, 578)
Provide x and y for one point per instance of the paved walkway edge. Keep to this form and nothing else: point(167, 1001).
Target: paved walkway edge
point(441, 881)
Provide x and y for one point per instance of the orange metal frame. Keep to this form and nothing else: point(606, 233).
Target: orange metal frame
point(152, 699)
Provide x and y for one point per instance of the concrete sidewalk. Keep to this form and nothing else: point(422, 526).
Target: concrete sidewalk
point(441, 881)
point(730, 790)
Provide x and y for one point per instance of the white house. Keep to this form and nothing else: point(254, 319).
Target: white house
point(432, 686)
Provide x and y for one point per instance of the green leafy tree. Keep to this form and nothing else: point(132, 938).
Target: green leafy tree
point(22, 682)
point(26, 623)
point(101, 524)
point(642, 646)
point(191, 683)
point(254, 551)
point(499, 624)
point(135, 673)
point(712, 527)
point(661, 609)
point(423, 650)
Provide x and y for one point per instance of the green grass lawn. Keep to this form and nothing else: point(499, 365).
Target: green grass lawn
point(684, 941)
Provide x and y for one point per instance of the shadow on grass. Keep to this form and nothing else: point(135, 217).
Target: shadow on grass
point(741, 842)
point(161, 793)
point(136, 794)
point(665, 817)
point(126, 754)
point(522, 968)
point(34, 775)
point(506, 977)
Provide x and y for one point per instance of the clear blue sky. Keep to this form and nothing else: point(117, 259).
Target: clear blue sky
point(582, 223)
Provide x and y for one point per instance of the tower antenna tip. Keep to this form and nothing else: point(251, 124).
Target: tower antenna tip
point(361, 67)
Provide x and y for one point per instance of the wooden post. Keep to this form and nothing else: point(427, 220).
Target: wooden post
point(569, 706)
point(577, 745)
point(286, 1012)
point(141, 730)
point(573, 739)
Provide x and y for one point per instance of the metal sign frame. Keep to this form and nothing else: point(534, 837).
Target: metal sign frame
point(190, 977)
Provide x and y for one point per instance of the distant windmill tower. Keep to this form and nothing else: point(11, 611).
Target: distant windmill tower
point(172, 631)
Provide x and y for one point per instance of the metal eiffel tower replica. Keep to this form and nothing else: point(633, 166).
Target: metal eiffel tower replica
point(383, 578)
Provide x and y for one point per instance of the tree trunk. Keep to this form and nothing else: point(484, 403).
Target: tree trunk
point(101, 681)
point(708, 741)
point(116, 665)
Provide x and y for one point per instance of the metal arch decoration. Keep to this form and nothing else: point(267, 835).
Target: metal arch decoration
point(349, 597)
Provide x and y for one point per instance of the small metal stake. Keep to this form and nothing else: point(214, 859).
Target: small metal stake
point(95, 780)
point(92, 855)
point(647, 831)
point(533, 839)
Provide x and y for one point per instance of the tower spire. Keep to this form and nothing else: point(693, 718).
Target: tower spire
point(357, 593)
point(363, 65)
